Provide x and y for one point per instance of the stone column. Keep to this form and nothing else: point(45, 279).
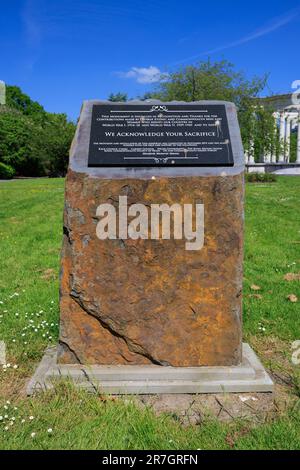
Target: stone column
point(246, 155)
point(273, 154)
point(287, 140)
point(251, 152)
point(298, 141)
point(281, 137)
point(273, 151)
point(267, 157)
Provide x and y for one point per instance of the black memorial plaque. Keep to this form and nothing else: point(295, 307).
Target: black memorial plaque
point(159, 135)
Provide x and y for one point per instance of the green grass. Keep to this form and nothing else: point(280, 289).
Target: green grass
point(272, 249)
point(82, 421)
point(30, 241)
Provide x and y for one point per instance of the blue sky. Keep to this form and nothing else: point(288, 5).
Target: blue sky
point(61, 52)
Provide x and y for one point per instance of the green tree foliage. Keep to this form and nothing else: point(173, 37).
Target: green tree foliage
point(114, 97)
point(32, 141)
point(258, 128)
point(293, 146)
point(58, 133)
point(208, 81)
point(6, 171)
point(16, 99)
point(19, 143)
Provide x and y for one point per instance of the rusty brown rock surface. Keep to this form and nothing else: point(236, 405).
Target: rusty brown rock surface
point(152, 301)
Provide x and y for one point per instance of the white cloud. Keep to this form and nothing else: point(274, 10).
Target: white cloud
point(31, 23)
point(149, 74)
point(272, 25)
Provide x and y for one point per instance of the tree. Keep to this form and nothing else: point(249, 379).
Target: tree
point(293, 146)
point(258, 130)
point(58, 133)
point(114, 97)
point(208, 81)
point(18, 100)
point(19, 145)
point(32, 141)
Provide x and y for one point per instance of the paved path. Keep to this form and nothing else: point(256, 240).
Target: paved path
point(288, 171)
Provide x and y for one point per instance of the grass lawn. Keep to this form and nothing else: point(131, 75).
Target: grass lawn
point(31, 231)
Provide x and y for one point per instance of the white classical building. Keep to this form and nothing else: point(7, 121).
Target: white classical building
point(287, 119)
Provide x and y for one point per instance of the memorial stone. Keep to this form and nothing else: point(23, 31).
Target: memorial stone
point(153, 236)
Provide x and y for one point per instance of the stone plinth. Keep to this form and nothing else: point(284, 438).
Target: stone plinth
point(249, 376)
point(143, 302)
